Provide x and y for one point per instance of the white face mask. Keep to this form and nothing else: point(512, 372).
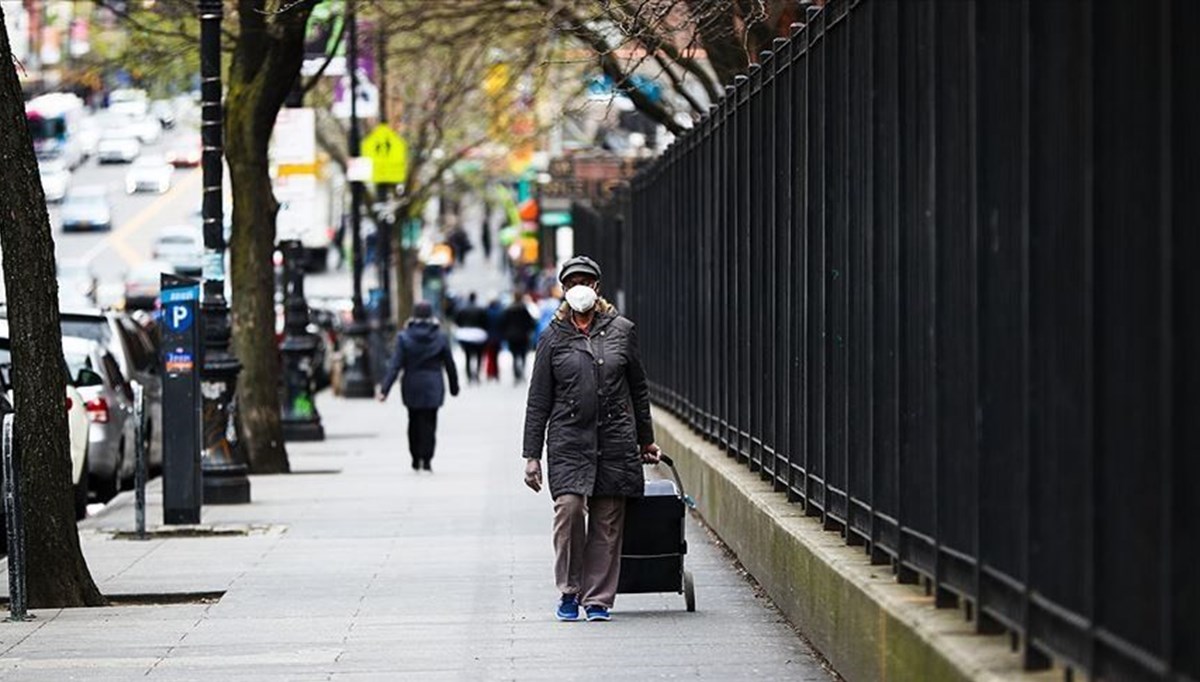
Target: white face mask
point(581, 298)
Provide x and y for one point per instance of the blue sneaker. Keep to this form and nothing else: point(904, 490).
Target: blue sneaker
point(595, 612)
point(568, 608)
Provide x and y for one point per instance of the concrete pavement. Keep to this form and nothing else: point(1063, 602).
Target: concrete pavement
point(357, 568)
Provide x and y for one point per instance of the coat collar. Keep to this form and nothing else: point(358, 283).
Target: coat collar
point(605, 314)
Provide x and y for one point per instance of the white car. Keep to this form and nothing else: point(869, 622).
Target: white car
point(56, 178)
point(183, 247)
point(118, 145)
point(148, 129)
point(149, 174)
point(78, 425)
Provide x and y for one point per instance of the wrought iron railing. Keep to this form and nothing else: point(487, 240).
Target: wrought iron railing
point(931, 269)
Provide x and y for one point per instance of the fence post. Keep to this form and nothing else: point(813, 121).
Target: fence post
point(18, 600)
point(139, 472)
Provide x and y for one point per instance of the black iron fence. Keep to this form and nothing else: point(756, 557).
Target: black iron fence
point(599, 231)
point(932, 269)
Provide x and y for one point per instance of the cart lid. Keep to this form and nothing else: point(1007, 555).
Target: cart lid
point(661, 488)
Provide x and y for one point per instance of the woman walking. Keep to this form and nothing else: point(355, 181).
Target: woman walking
point(590, 406)
point(422, 354)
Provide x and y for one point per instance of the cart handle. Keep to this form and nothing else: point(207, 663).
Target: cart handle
point(687, 499)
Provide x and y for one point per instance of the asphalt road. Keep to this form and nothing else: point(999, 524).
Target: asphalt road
point(137, 219)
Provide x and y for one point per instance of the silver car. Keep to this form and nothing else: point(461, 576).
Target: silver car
point(86, 208)
point(108, 400)
point(149, 174)
point(136, 353)
point(118, 145)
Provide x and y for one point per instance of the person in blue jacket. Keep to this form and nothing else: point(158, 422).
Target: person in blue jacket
point(422, 353)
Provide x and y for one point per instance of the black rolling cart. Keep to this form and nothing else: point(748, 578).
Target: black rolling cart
point(654, 545)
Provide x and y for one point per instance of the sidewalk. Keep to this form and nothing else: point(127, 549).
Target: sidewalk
point(355, 567)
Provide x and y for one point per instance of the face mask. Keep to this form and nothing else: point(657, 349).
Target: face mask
point(581, 298)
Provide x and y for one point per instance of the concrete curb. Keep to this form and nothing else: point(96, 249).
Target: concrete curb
point(867, 625)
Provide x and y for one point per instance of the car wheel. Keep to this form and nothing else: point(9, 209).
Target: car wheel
point(81, 493)
point(104, 488)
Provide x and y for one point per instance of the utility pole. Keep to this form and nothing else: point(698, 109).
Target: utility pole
point(225, 480)
point(384, 328)
point(357, 377)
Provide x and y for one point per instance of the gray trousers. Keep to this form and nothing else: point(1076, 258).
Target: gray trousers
point(587, 547)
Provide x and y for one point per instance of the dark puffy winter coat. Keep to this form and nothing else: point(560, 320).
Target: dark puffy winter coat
point(589, 404)
point(422, 353)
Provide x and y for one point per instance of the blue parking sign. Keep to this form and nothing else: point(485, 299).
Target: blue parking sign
point(178, 317)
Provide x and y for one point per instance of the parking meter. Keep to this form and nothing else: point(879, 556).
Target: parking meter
point(181, 405)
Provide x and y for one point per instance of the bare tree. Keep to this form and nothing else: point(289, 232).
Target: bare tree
point(695, 46)
point(62, 577)
point(467, 76)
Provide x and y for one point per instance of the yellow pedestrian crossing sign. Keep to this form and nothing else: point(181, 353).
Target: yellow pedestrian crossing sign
point(389, 156)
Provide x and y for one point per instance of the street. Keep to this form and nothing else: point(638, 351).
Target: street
point(137, 218)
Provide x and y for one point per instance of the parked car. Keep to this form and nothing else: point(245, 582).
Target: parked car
point(86, 208)
point(56, 178)
point(186, 152)
point(118, 145)
point(108, 400)
point(182, 246)
point(143, 283)
point(134, 345)
point(77, 421)
point(149, 174)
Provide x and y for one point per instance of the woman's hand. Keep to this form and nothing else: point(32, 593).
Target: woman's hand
point(533, 474)
point(650, 454)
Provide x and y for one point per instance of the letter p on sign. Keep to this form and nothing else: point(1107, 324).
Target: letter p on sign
point(179, 318)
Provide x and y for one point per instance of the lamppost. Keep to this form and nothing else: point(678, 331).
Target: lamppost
point(301, 420)
point(225, 480)
point(357, 378)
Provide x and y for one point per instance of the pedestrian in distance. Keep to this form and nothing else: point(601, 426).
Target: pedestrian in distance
point(422, 353)
point(491, 352)
point(589, 405)
point(516, 328)
point(472, 335)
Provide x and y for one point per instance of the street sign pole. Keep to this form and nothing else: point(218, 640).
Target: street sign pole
point(388, 153)
point(182, 418)
point(356, 378)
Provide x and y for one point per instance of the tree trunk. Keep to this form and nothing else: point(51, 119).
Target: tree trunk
point(59, 575)
point(252, 264)
point(405, 262)
point(266, 61)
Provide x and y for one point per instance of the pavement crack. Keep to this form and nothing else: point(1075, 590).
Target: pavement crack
point(29, 634)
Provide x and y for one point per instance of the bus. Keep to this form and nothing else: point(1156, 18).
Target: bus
point(55, 122)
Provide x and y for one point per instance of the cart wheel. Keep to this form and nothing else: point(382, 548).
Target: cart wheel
point(689, 591)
